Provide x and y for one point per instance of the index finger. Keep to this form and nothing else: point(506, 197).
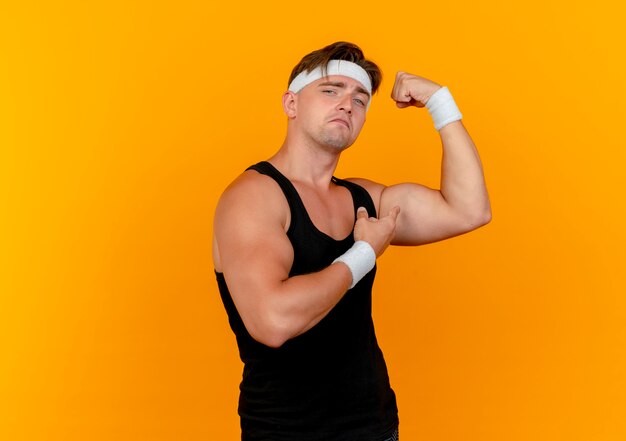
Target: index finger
point(394, 212)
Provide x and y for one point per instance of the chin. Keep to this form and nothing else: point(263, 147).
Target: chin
point(337, 144)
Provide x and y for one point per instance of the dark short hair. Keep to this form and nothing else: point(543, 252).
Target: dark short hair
point(341, 50)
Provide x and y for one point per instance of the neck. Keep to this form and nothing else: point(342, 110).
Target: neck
point(308, 164)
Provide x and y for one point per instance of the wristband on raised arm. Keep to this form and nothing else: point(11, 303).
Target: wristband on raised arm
point(442, 108)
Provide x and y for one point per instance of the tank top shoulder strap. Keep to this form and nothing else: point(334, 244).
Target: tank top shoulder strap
point(296, 205)
point(360, 196)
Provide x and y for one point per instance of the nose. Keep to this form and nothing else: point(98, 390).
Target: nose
point(345, 104)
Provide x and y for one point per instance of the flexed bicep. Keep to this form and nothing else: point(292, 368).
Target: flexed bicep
point(425, 215)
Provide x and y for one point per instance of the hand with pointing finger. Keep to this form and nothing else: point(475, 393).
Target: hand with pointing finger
point(377, 232)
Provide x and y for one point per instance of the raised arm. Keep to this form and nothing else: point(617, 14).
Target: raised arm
point(462, 203)
point(253, 251)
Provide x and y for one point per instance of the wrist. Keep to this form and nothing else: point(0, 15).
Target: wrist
point(443, 108)
point(360, 260)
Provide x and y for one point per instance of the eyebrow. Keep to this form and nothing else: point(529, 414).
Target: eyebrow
point(359, 89)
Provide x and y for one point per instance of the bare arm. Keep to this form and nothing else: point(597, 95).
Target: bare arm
point(256, 256)
point(461, 204)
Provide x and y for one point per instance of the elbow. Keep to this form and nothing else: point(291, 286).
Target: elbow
point(485, 217)
point(482, 216)
point(478, 219)
point(269, 331)
point(272, 340)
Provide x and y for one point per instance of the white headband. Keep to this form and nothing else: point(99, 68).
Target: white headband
point(334, 67)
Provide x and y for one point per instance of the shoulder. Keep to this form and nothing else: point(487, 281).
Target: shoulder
point(254, 195)
point(250, 183)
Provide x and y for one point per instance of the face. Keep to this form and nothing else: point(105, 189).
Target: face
point(331, 111)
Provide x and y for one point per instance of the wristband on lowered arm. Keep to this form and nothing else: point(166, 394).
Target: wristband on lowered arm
point(360, 259)
point(442, 108)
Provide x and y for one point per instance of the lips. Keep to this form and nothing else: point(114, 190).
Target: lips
point(342, 121)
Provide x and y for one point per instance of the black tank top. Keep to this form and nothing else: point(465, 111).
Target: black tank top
point(329, 383)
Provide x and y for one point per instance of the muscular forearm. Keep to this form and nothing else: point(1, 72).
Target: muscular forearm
point(303, 301)
point(462, 180)
point(307, 299)
point(275, 310)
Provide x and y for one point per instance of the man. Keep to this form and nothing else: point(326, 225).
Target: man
point(295, 251)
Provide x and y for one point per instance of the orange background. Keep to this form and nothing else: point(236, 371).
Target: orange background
point(121, 122)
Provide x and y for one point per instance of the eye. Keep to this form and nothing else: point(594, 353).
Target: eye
point(328, 91)
point(359, 101)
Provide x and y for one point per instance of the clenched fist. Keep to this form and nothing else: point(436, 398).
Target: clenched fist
point(411, 90)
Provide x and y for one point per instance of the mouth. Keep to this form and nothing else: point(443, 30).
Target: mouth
point(341, 121)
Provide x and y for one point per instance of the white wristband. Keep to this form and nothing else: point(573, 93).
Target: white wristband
point(360, 259)
point(442, 108)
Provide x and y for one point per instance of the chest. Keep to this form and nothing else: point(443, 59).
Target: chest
point(331, 211)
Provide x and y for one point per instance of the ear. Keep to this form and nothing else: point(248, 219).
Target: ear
point(290, 103)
